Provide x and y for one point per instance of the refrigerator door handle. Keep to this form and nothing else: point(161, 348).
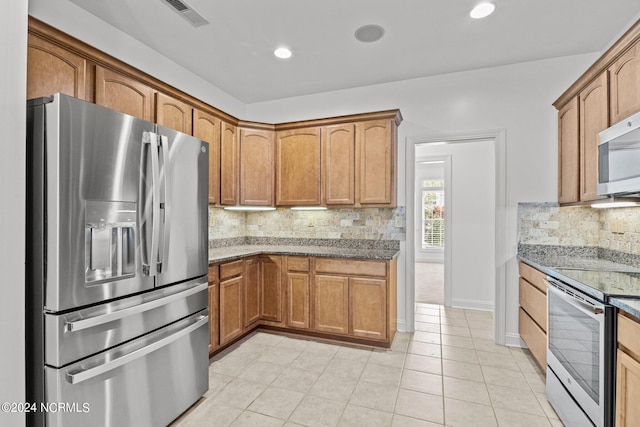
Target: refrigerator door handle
point(86, 374)
point(166, 190)
point(90, 322)
point(151, 139)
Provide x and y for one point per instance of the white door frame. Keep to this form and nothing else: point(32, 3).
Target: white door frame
point(448, 231)
point(498, 138)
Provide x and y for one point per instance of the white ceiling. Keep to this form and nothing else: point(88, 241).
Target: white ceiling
point(423, 38)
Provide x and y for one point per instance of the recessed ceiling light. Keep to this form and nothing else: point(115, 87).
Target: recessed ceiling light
point(482, 10)
point(369, 33)
point(282, 52)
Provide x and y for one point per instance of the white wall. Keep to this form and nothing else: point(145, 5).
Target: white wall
point(77, 22)
point(472, 224)
point(516, 98)
point(13, 45)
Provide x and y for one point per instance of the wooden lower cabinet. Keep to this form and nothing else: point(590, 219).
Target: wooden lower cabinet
point(628, 371)
point(331, 304)
point(251, 289)
point(271, 288)
point(344, 299)
point(533, 314)
point(231, 320)
point(368, 308)
point(298, 299)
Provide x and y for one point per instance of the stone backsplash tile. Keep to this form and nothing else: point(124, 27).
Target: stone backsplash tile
point(615, 232)
point(353, 224)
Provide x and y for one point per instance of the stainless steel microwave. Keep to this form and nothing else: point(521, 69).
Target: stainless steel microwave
point(619, 159)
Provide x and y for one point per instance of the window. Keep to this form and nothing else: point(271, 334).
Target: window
point(433, 214)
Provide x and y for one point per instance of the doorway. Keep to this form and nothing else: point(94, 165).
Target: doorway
point(490, 295)
point(432, 183)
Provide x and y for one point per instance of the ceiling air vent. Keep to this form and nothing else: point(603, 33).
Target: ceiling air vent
point(187, 12)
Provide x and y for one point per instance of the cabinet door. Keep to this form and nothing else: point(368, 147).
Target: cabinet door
point(331, 308)
point(173, 114)
point(214, 340)
point(271, 293)
point(251, 297)
point(256, 167)
point(228, 164)
point(569, 153)
point(207, 128)
point(298, 300)
point(376, 145)
point(338, 164)
point(298, 167)
point(230, 309)
point(594, 118)
point(52, 69)
point(124, 94)
point(367, 308)
point(627, 390)
point(624, 83)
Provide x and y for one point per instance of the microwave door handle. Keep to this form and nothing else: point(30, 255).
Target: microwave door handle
point(90, 322)
point(87, 374)
point(166, 190)
point(584, 307)
point(150, 140)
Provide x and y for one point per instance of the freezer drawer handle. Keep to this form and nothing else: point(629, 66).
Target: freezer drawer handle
point(90, 322)
point(80, 376)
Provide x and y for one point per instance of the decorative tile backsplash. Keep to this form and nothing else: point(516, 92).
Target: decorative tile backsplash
point(549, 224)
point(361, 224)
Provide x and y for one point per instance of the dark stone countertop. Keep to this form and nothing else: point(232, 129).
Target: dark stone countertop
point(229, 253)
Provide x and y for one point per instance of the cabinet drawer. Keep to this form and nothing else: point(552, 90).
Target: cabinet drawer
point(533, 276)
point(231, 269)
point(534, 337)
point(351, 267)
point(629, 334)
point(297, 263)
point(214, 276)
point(534, 303)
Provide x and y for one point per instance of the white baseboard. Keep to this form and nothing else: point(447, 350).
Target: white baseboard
point(513, 340)
point(472, 304)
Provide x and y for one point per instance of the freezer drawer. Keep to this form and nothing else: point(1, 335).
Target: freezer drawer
point(78, 334)
point(147, 382)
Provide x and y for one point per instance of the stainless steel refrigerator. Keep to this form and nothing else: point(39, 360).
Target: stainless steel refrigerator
point(117, 320)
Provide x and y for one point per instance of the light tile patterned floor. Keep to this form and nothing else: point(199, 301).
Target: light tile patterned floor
point(448, 373)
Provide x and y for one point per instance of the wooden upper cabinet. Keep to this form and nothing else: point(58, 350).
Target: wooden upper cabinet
point(376, 147)
point(228, 164)
point(569, 153)
point(594, 118)
point(207, 128)
point(124, 94)
point(174, 114)
point(624, 83)
point(298, 167)
point(52, 69)
point(338, 164)
point(257, 149)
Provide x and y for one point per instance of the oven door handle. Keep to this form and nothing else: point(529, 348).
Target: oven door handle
point(585, 307)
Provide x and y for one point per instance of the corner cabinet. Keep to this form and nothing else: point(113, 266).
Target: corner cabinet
point(207, 128)
point(257, 153)
point(228, 164)
point(298, 167)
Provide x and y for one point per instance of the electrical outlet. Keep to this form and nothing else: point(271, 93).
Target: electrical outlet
point(398, 223)
point(260, 220)
point(311, 222)
point(212, 220)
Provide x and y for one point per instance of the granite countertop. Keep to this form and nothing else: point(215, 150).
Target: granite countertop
point(231, 252)
point(607, 279)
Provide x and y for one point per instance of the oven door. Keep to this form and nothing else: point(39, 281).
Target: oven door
point(577, 334)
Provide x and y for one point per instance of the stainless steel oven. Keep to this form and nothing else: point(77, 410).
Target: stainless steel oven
point(580, 358)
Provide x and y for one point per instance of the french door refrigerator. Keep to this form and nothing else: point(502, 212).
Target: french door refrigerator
point(117, 320)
